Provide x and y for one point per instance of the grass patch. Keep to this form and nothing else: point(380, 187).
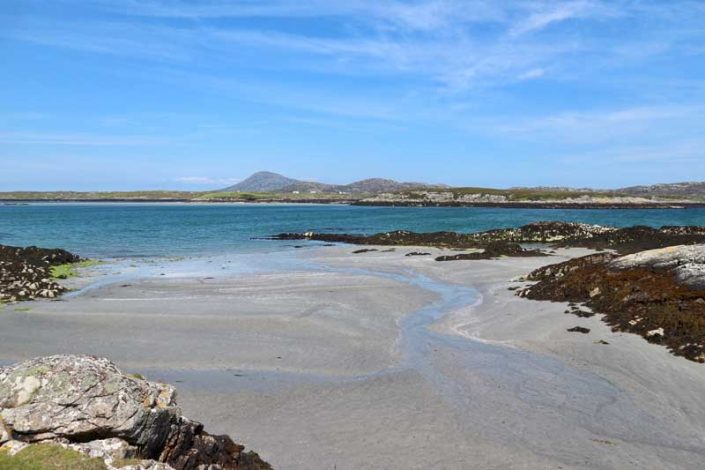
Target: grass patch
point(254, 197)
point(49, 457)
point(120, 463)
point(65, 271)
point(98, 196)
point(23, 309)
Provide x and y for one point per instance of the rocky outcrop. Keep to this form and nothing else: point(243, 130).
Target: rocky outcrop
point(686, 262)
point(560, 234)
point(25, 273)
point(88, 404)
point(545, 232)
point(639, 238)
point(658, 294)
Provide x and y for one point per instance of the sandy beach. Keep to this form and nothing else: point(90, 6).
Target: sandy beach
point(327, 359)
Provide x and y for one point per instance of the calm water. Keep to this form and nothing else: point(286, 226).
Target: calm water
point(129, 230)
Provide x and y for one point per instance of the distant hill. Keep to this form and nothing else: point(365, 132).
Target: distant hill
point(691, 190)
point(262, 182)
point(265, 181)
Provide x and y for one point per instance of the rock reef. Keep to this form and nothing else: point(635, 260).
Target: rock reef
point(559, 234)
point(494, 249)
point(658, 294)
point(87, 404)
point(25, 273)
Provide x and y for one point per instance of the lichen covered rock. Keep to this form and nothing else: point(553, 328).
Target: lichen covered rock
point(87, 403)
point(686, 262)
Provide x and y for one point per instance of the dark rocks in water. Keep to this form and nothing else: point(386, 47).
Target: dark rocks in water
point(364, 250)
point(418, 253)
point(494, 250)
point(399, 237)
point(623, 240)
point(656, 293)
point(582, 313)
point(639, 238)
point(35, 255)
point(544, 232)
point(96, 409)
point(579, 329)
point(560, 234)
point(25, 273)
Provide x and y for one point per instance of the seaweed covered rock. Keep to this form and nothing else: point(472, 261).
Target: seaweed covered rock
point(397, 237)
point(639, 238)
point(89, 404)
point(658, 294)
point(560, 234)
point(25, 273)
point(494, 249)
point(545, 232)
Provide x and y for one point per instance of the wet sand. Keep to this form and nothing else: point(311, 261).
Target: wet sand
point(378, 360)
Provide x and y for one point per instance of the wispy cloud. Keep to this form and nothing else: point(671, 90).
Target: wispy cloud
point(683, 152)
point(455, 44)
point(565, 77)
point(77, 139)
point(555, 12)
point(597, 124)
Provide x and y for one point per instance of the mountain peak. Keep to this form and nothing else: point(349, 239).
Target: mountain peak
point(263, 181)
point(267, 181)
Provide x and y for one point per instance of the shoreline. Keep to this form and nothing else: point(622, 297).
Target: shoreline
point(361, 203)
point(318, 352)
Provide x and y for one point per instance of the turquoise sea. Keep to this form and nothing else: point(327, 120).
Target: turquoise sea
point(107, 230)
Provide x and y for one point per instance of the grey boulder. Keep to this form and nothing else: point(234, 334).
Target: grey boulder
point(687, 262)
point(87, 403)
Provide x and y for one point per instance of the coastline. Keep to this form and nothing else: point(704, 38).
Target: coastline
point(315, 344)
point(361, 203)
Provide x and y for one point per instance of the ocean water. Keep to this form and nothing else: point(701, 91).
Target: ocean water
point(107, 230)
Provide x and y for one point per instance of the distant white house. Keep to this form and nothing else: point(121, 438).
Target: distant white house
point(296, 192)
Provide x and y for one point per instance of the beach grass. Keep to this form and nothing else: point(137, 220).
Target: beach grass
point(49, 457)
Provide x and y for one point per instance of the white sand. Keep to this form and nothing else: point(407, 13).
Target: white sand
point(331, 368)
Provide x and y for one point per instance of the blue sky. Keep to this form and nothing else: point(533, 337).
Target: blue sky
point(128, 94)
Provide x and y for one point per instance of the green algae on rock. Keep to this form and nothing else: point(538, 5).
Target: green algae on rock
point(26, 273)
